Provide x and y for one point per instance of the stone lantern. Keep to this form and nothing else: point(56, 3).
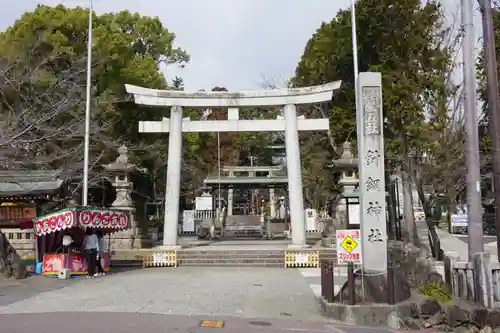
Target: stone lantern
point(349, 181)
point(120, 171)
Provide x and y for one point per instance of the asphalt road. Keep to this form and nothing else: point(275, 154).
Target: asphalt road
point(487, 239)
point(101, 322)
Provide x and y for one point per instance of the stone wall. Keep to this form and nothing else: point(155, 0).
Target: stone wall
point(23, 241)
point(414, 263)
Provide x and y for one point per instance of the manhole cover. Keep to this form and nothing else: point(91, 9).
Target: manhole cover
point(286, 314)
point(260, 323)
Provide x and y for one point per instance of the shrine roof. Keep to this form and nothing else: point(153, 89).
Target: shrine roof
point(29, 175)
point(23, 188)
point(29, 182)
point(240, 168)
point(353, 194)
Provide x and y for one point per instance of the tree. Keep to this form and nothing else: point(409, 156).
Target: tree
point(127, 48)
point(400, 39)
point(50, 43)
point(178, 83)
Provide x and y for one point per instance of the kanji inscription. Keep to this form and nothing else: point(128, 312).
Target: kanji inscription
point(374, 208)
point(372, 157)
point(371, 110)
point(372, 184)
point(375, 236)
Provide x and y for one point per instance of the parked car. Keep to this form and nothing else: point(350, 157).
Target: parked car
point(418, 213)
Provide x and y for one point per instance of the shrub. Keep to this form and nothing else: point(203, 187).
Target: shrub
point(438, 292)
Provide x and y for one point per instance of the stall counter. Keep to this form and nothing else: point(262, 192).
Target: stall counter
point(53, 263)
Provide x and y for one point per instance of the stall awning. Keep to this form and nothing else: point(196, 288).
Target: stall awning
point(106, 220)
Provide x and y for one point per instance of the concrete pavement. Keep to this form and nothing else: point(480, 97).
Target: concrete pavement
point(169, 299)
point(235, 292)
point(458, 243)
point(102, 322)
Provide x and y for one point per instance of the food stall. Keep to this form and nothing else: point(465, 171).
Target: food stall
point(51, 228)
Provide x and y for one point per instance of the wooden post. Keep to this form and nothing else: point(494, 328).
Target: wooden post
point(350, 284)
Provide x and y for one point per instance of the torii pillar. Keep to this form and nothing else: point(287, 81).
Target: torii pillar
point(290, 124)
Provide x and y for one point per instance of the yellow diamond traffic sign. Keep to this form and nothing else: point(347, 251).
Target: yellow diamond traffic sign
point(348, 244)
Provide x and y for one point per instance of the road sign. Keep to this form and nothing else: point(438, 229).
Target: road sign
point(348, 246)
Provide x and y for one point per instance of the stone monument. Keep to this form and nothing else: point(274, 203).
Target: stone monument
point(371, 281)
point(120, 169)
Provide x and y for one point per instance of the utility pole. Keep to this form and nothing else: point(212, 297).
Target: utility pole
point(86, 137)
point(490, 61)
point(474, 211)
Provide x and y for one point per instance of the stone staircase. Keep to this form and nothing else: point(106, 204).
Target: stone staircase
point(240, 257)
point(219, 257)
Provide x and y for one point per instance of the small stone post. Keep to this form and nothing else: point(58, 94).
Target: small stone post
point(483, 279)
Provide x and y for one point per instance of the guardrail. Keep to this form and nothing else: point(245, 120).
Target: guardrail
point(477, 281)
point(435, 244)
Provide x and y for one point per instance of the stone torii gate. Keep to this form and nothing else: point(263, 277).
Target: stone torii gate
point(290, 124)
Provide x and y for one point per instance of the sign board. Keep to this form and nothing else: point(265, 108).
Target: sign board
point(160, 258)
point(459, 220)
point(311, 217)
point(188, 221)
point(354, 213)
point(204, 203)
point(348, 246)
point(301, 258)
point(12, 216)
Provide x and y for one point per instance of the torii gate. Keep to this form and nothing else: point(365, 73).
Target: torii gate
point(290, 124)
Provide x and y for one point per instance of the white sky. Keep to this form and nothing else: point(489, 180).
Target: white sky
point(233, 43)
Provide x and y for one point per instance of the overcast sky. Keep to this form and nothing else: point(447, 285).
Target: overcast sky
point(233, 43)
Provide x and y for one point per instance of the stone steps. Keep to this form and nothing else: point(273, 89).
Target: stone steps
point(232, 263)
point(273, 258)
point(219, 257)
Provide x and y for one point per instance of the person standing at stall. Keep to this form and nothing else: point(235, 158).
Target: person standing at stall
point(91, 247)
point(100, 254)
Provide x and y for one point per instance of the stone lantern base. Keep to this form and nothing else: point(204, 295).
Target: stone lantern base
point(126, 239)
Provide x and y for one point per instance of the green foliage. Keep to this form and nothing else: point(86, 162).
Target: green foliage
point(438, 292)
point(400, 39)
point(485, 141)
point(127, 49)
point(404, 40)
point(45, 54)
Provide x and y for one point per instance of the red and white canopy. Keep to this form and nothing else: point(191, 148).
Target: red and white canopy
point(102, 219)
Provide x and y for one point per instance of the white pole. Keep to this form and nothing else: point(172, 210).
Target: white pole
point(474, 208)
point(354, 45)
point(356, 73)
point(219, 173)
point(87, 112)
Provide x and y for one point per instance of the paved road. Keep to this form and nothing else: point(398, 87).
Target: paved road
point(167, 300)
point(12, 291)
point(488, 240)
point(99, 322)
